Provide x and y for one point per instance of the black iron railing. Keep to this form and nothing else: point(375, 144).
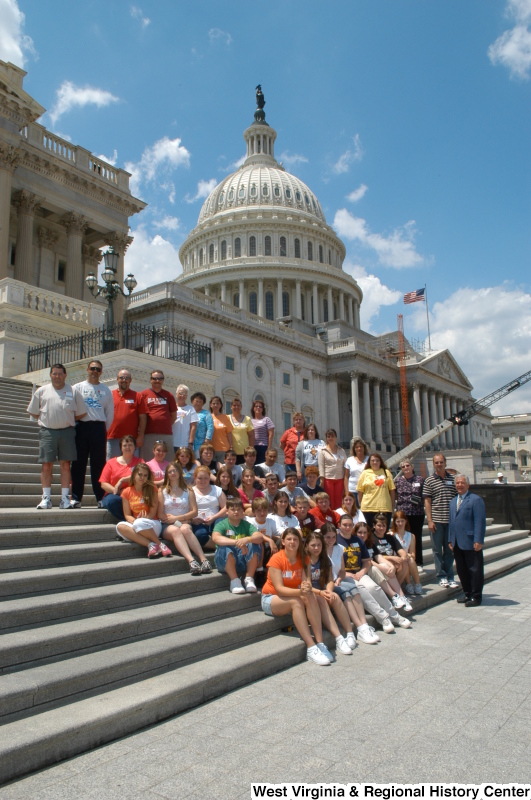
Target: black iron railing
point(123, 335)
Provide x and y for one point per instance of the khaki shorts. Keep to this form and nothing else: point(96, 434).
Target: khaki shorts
point(57, 443)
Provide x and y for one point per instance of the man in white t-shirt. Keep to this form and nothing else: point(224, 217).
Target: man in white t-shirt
point(57, 406)
point(185, 425)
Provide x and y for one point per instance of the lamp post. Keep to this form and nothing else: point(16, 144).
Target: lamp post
point(111, 288)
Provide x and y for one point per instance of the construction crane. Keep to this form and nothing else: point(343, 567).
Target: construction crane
point(458, 419)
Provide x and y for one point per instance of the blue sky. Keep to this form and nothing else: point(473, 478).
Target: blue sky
point(409, 119)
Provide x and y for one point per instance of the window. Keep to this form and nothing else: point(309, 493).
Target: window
point(298, 196)
point(286, 379)
point(267, 246)
point(253, 303)
point(329, 256)
point(259, 398)
point(223, 250)
point(237, 248)
point(236, 299)
point(259, 372)
point(231, 195)
point(310, 251)
point(201, 257)
point(320, 253)
point(228, 409)
point(277, 191)
point(325, 310)
point(287, 420)
point(523, 461)
point(220, 200)
point(303, 303)
point(307, 199)
point(288, 194)
point(265, 190)
point(306, 384)
point(270, 313)
point(13, 254)
point(61, 271)
point(521, 438)
point(229, 363)
point(211, 254)
point(252, 245)
point(241, 193)
point(505, 440)
point(253, 190)
point(283, 247)
point(297, 248)
point(285, 304)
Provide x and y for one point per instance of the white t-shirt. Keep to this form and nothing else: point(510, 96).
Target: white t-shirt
point(181, 427)
point(99, 402)
point(336, 559)
point(281, 523)
point(277, 469)
point(208, 504)
point(57, 408)
point(268, 528)
point(310, 450)
point(405, 541)
point(176, 505)
point(358, 516)
point(355, 469)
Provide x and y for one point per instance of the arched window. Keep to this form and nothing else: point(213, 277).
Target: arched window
point(236, 299)
point(277, 191)
point(223, 250)
point(270, 313)
point(241, 193)
point(325, 310)
point(303, 312)
point(329, 256)
point(310, 251)
point(253, 190)
point(252, 245)
point(297, 248)
point(288, 194)
point(211, 254)
point(253, 303)
point(265, 190)
point(285, 304)
point(238, 248)
point(201, 257)
point(267, 246)
point(320, 253)
point(283, 247)
point(231, 195)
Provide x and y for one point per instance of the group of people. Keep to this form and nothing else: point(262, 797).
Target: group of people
point(327, 537)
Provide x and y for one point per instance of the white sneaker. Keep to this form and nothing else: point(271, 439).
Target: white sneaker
point(325, 651)
point(65, 502)
point(368, 636)
point(342, 646)
point(315, 655)
point(351, 641)
point(236, 586)
point(402, 622)
point(408, 608)
point(75, 504)
point(46, 502)
point(398, 601)
point(387, 626)
point(452, 584)
point(250, 585)
point(444, 582)
point(420, 570)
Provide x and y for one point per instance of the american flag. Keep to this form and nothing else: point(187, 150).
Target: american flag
point(414, 297)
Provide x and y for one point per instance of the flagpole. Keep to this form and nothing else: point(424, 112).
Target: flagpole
point(427, 316)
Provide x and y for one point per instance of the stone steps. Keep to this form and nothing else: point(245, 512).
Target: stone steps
point(24, 487)
point(20, 501)
point(65, 535)
point(34, 517)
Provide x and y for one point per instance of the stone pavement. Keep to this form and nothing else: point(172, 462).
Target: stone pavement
point(447, 701)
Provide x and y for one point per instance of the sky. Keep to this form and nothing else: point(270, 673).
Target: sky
point(410, 120)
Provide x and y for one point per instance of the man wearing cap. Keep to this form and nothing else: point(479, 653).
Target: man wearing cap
point(500, 478)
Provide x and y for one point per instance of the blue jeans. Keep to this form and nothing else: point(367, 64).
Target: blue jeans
point(203, 532)
point(223, 552)
point(113, 504)
point(442, 555)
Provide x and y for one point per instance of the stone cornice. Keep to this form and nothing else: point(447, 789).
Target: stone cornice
point(9, 157)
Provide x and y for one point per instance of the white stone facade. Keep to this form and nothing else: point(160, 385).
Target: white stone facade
point(513, 432)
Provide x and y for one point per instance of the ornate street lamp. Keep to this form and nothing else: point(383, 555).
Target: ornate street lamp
point(112, 288)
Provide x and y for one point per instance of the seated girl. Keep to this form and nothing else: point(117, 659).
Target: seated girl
point(177, 508)
point(140, 504)
point(288, 590)
point(323, 587)
point(158, 463)
point(349, 506)
point(247, 491)
point(225, 481)
point(400, 530)
point(207, 459)
point(211, 506)
point(185, 457)
point(281, 515)
point(390, 558)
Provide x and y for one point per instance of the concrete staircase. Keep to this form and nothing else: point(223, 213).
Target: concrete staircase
point(98, 642)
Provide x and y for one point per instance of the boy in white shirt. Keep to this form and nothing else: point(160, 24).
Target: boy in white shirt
point(270, 465)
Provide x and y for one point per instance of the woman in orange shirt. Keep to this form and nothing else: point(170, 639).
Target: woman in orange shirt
point(140, 504)
point(288, 590)
point(222, 436)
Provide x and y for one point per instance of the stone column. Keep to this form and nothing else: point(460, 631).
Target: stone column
point(330, 305)
point(277, 394)
point(241, 292)
point(76, 225)
point(223, 291)
point(280, 308)
point(46, 239)
point(433, 412)
point(298, 385)
point(317, 399)
point(92, 257)
point(397, 418)
point(261, 297)
point(447, 415)
point(377, 412)
point(333, 403)
point(342, 305)
point(355, 400)
point(316, 317)
point(367, 423)
point(425, 411)
point(440, 417)
point(298, 303)
point(356, 315)
point(416, 411)
point(9, 158)
point(387, 417)
point(207, 290)
point(218, 361)
point(25, 202)
point(244, 383)
point(119, 242)
point(455, 429)
point(350, 308)
point(462, 438)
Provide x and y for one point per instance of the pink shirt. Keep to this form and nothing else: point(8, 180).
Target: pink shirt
point(158, 468)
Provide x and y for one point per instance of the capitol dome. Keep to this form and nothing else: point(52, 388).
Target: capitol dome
point(262, 243)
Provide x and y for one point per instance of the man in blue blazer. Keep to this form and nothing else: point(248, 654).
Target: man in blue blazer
point(466, 537)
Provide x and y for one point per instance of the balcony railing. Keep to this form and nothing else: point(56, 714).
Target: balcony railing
point(122, 336)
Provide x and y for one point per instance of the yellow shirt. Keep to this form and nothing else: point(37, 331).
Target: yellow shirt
point(375, 487)
point(240, 434)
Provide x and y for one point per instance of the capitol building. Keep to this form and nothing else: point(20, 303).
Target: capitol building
point(262, 286)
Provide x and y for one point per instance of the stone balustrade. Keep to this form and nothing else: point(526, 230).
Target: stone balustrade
point(50, 303)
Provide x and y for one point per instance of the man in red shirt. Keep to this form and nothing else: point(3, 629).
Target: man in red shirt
point(290, 439)
point(127, 411)
point(158, 413)
point(322, 512)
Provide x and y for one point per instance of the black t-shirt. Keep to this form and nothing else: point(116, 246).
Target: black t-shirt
point(354, 553)
point(309, 491)
point(388, 545)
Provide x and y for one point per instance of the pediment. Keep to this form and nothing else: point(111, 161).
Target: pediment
point(444, 365)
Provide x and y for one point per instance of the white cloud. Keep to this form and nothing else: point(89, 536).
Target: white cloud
point(345, 161)
point(375, 293)
point(203, 190)
point(14, 43)
point(137, 13)
point(513, 48)
point(235, 165)
point(397, 250)
point(290, 160)
point(357, 194)
point(158, 161)
point(217, 33)
point(112, 161)
point(70, 96)
point(488, 331)
point(151, 260)
point(167, 223)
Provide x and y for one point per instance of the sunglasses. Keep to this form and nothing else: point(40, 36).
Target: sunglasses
point(95, 369)
point(157, 379)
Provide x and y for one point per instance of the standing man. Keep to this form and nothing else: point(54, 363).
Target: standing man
point(158, 413)
point(127, 411)
point(91, 434)
point(437, 492)
point(290, 439)
point(467, 534)
point(57, 406)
